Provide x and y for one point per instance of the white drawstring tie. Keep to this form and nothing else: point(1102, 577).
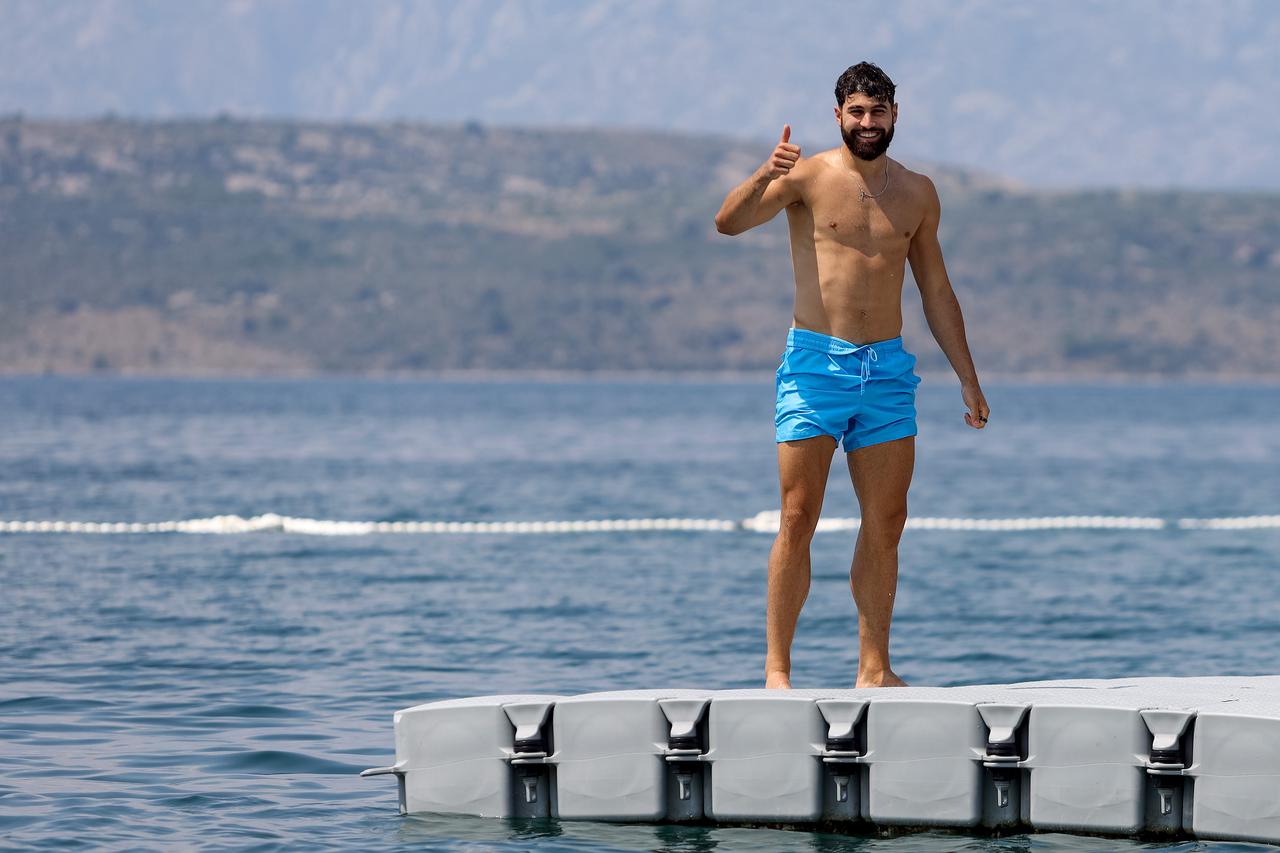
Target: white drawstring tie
point(866, 366)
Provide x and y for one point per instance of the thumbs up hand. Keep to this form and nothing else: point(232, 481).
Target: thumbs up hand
point(784, 156)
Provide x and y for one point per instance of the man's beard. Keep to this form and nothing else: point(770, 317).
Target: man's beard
point(867, 149)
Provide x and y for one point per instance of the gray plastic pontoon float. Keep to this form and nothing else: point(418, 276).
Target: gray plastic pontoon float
point(1196, 757)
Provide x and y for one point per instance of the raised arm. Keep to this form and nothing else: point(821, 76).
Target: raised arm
point(759, 198)
point(942, 309)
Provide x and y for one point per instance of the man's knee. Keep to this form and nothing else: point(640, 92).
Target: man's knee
point(798, 521)
point(883, 525)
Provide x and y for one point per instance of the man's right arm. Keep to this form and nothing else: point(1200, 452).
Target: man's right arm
point(759, 198)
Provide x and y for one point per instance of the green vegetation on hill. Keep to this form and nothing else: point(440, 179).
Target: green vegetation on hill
point(226, 246)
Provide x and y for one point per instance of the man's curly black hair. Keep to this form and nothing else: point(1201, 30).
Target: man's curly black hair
point(867, 78)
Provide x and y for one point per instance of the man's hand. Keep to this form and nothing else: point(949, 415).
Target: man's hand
point(978, 412)
point(760, 197)
point(783, 158)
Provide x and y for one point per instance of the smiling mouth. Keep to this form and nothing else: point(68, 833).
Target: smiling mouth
point(871, 135)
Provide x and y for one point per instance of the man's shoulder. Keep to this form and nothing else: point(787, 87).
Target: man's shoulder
point(823, 159)
point(917, 181)
point(806, 177)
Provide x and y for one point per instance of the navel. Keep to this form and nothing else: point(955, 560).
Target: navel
point(832, 225)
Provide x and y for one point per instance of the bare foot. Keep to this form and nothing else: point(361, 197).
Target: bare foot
point(777, 680)
point(880, 678)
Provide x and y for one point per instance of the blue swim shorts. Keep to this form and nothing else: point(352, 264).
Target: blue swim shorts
point(861, 395)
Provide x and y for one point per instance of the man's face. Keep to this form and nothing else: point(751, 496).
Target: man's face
point(866, 125)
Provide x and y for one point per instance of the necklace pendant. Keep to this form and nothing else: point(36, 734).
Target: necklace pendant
point(862, 195)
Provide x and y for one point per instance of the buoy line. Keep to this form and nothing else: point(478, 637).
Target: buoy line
point(763, 522)
point(1244, 522)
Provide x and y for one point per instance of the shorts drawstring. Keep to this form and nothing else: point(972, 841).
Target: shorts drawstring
point(866, 366)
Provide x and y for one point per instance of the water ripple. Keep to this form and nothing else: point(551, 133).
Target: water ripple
point(223, 692)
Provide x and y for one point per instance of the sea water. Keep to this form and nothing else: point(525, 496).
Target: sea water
point(173, 690)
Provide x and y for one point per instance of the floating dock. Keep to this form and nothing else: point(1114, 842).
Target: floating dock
point(1175, 757)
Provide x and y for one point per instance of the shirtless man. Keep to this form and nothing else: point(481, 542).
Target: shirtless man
point(855, 217)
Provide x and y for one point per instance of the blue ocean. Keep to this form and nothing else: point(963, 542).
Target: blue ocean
point(177, 690)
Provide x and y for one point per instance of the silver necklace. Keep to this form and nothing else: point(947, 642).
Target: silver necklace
point(863, 195)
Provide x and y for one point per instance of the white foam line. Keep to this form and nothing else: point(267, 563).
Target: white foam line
point(1243, 522)
point(234, 524)
point(764, 522)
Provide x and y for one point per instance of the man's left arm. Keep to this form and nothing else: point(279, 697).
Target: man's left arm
point(942, 309)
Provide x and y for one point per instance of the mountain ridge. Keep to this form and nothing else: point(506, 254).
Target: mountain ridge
point(1146, 93)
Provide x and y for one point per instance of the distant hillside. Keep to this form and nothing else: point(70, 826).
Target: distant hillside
point(232, 246)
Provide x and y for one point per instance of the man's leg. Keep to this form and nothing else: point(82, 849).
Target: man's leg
point(881, 476)
point(803, 467)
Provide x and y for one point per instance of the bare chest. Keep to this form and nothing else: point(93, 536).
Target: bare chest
point(871, 226)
